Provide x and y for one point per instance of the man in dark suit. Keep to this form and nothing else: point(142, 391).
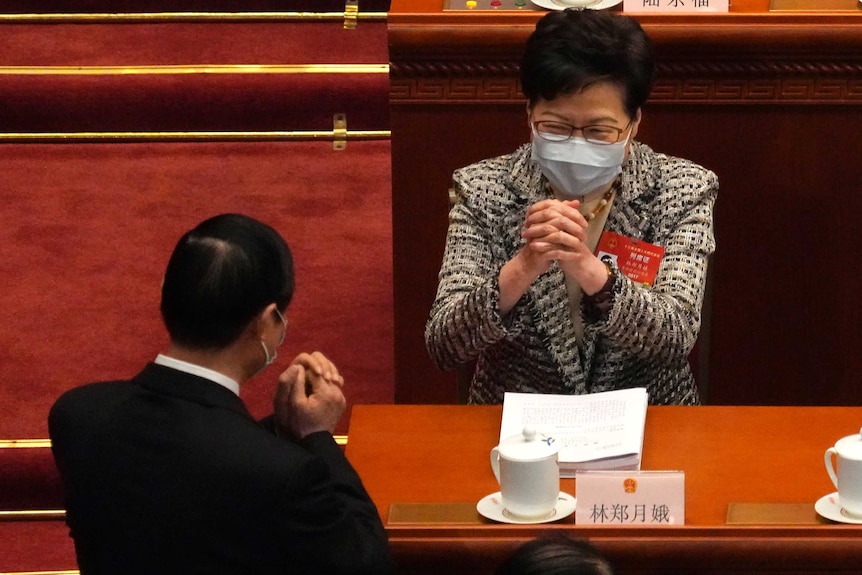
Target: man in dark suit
point(169, 473)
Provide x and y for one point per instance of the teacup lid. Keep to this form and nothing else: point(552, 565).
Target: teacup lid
point(530, 445)
point(850, 446)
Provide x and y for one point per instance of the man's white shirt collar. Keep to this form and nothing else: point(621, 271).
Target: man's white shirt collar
point(199, 371)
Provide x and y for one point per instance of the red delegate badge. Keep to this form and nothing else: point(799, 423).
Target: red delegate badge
point(638, 260)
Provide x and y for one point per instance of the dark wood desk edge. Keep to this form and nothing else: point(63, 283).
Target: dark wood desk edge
point(802, 550)
point(824, 533)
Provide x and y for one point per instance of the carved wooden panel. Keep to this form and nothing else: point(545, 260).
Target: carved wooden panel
point(715, 82)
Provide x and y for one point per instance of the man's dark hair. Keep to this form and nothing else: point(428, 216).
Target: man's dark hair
point(555, 555)
point(572, 49)
point(220, 276)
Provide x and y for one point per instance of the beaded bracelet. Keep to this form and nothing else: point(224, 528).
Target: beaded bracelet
point(596, 306)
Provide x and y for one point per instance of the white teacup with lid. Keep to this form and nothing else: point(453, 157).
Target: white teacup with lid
point(848, 478)
point(528, 472)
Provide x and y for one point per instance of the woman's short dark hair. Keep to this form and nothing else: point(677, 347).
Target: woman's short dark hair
point(220, 276)
point(572, 49)
point(555, 555)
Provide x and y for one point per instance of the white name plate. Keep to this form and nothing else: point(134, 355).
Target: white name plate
point(630, 498)
point(676, 6)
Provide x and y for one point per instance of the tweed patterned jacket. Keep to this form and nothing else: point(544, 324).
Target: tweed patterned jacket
point(643, 340)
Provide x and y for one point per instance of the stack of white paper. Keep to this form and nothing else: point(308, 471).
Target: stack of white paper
point(596, 431)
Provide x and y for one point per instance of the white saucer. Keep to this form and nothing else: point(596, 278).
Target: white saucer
point(828, 507)
point(491, 506)
point(558, 5)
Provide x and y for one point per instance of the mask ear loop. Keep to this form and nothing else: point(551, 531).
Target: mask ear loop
point(284, 324)
point(269, 359)
point(629, 136)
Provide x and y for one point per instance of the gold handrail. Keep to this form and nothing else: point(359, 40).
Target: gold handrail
point(203, 136)
point(134, 17)
point(196, 69)
point(32, 514)
point(28, 443)
point(34, 443)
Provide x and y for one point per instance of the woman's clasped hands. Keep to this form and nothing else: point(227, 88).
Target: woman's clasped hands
point(556, 230)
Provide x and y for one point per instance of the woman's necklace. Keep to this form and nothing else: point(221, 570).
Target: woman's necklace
point(606, 199)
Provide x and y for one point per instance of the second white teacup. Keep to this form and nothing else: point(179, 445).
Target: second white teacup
point(528, 472)
point(848, 477)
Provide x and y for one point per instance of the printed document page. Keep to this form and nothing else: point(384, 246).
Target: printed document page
point(589, 427)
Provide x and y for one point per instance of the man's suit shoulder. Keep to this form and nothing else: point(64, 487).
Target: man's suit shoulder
point(86, 396)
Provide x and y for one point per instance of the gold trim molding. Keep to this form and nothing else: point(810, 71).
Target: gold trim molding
point(40, 443)
point(324, 135)
point(33, 515)
point(143, 17)
point(195, 69)
point(24, 443)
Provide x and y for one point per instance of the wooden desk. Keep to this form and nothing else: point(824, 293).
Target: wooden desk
point(439, 454)
point(772, 102)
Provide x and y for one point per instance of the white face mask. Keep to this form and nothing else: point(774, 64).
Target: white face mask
point(269, 359)
point(576, 167)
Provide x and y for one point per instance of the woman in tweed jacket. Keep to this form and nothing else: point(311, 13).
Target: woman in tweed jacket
point(520, 288)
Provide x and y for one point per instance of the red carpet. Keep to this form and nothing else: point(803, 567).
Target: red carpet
point(230, 77)
point(187, 103)
point(86, 231)
point(36, 546)
point(183, 43)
